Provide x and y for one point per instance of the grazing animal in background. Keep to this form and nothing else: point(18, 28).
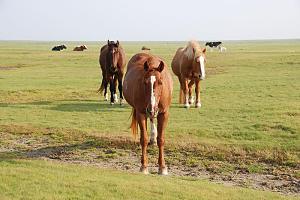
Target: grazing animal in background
point(213, 44)
point(222, 48)
point(145, 48)
point(188, 65)
point(80, 48)
point(148, 89)
point(112, 63)
point(59, 48)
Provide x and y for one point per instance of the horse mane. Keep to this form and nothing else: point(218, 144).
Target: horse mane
point(192, 48)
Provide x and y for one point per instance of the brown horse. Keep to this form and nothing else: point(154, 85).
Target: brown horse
point(112, 62)
point(188, 64)
point(80, 48)
point(148, 89)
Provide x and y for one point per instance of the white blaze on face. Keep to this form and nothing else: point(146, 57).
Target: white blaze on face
point(202, 67)
point(152, 100)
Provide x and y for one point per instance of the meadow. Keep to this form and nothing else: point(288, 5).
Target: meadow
point(247, 132)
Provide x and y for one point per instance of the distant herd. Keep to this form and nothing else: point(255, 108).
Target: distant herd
point(62, 47)
point(148, 87)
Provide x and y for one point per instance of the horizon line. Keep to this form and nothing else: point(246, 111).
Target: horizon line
point(259, 39)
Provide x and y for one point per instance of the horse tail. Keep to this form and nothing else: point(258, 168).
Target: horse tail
point(134, 124)
point(101, 88)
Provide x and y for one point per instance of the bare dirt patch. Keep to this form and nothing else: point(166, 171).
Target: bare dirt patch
point(122, 153)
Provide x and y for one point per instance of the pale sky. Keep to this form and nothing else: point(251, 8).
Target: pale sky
point(159, 20)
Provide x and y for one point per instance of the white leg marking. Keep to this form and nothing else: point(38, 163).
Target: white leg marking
point(106, 97)
point(116, 98)
point(163, 171)
point(202, 68)
point(191, 99)
point(187, 105)
point(144, 170)
point(198, 104)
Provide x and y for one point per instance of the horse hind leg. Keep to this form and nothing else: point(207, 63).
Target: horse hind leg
point(153, 132)
point(105, 91)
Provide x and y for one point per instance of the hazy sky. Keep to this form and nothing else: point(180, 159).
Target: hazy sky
point(149, 20)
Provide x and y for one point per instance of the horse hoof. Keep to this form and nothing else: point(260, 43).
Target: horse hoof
point(144, 170)
point(187, 105)
point(198, 105)
point(163, 171)
point(121, 102)
point(112, 103)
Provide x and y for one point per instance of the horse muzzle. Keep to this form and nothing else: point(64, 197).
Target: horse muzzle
point(201, 77)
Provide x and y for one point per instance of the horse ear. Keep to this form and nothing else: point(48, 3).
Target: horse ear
point(204, 50)
point(107, 42)
point(117, 43)
point(146, 67)
point(161, 66)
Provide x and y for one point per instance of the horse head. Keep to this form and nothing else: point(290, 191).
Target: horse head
point(83, 47)
point(152, 86)
point(113, 55)
point(199, 62)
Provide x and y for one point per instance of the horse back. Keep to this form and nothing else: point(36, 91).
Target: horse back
point(177, 61)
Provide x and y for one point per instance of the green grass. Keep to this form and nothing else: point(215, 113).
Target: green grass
point(46, 180)
point(252, 101)
point(250, 114)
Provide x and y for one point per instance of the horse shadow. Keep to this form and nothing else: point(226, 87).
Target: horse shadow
point(77, 105)
point(85, 106)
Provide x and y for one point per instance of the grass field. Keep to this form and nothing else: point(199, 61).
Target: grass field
point(249, 122)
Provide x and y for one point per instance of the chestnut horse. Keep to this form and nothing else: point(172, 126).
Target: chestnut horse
point(148, 89)
point(112, 62)
point(188, 64)
point(80, 48)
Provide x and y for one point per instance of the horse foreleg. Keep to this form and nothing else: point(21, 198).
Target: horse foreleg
point(112, 90)
point(142, 120)
point(162, 120)
point(191, 98)
point(197, 91)
point(185, 88)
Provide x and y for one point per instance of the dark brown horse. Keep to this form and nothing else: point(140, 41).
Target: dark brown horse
point(188, 65)
point(112, 62)
point(148, 89)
